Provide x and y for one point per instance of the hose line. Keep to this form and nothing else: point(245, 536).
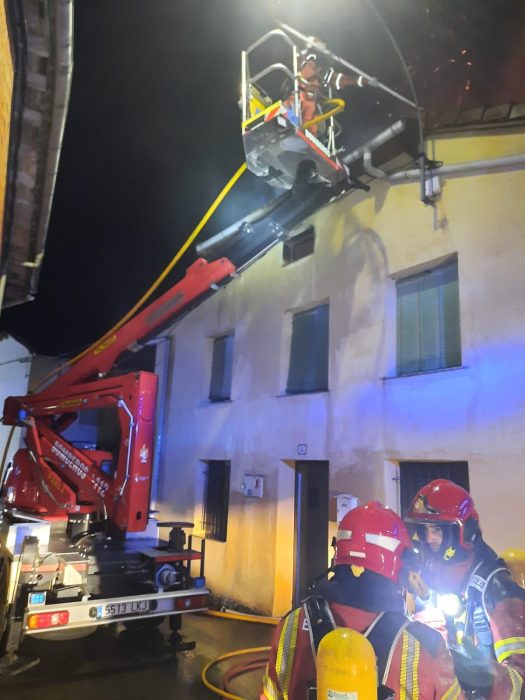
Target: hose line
point(231, 654)
point(338, 106)
point(244, 617)
point(193, 235)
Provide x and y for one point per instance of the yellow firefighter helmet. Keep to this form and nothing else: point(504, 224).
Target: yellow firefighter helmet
point(515, 561)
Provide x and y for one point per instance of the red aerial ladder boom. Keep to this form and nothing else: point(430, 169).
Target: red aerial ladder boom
point(54, 478)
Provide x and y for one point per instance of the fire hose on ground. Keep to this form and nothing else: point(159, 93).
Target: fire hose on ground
point(238, 669)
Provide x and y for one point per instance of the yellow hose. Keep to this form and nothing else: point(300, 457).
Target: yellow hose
point(193, 235)
point(245, 617)
point(339, 106)
point(229, 655)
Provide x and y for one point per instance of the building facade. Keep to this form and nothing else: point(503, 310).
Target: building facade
point(380, 347)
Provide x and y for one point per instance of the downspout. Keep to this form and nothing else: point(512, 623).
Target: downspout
point(162, 367)
point(3, 280)
point(365, 151)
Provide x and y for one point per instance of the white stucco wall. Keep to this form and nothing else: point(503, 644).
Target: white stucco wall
point(14, 375)
point(369, 419)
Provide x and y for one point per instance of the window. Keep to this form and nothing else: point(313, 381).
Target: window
point(221, 368)
point(309, 352)
point(414, 475)
point(428, 333)
point(299, 246)
point(216, 499)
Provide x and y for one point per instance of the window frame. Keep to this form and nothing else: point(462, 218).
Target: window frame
point(414, 474)
point(309, 372)
point(223, 383)
point(423, 346)
point(297, 247)
point(214, 521)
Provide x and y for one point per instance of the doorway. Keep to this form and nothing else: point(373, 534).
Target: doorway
point(311, 525)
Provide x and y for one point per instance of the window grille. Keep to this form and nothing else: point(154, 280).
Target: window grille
point(414, 475)
point(216, 500)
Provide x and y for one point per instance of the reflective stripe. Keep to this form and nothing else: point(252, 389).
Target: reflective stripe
point(415, 666)
point(270, 690)
point(408, 676)
point(517, 682)
point(506, 647)
point(384, 541)
point(286, 651)
point(453, 692)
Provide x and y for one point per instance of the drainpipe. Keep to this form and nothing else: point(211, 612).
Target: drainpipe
point(365, 151)
point(162, 366)
point(3, 280)
point(369, 168)
point(462, 168)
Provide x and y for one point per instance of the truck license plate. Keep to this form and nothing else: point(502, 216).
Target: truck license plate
point(130, 607)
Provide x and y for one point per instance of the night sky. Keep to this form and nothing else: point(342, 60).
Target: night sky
point(153, 129)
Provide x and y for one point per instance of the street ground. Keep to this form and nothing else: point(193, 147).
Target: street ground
point(115, 663)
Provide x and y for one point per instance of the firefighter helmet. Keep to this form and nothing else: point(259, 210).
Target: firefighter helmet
point(445, 505)
point(515, 561)
point(375, 538)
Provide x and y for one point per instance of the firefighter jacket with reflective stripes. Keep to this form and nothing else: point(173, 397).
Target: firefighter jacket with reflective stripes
point(415, 664)
point(496, 620)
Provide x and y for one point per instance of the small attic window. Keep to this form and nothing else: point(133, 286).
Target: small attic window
point(299, 246)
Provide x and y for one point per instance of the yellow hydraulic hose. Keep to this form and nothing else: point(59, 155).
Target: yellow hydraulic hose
point(193, 235)
point(339, 105)
point(245, 617)
point(229, 655)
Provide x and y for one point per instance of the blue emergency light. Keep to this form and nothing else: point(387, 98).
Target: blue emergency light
point(37, 598)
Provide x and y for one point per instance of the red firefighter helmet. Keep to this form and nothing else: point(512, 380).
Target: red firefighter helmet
point(444, 504)
point(375, 538)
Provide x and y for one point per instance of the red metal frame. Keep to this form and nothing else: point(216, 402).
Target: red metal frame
point(52, 477)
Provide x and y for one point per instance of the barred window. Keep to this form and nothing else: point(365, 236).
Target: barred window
point(414, 475)
point(216, 500)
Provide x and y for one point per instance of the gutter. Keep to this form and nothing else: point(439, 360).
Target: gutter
point(19, 45)
point(517, 160)
point(63, 69)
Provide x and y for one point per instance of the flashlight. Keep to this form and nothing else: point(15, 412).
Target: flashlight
point(450, 604)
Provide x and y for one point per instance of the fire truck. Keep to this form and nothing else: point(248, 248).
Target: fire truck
point(78, 545)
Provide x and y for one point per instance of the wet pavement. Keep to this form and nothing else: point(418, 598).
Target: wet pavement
point(115, 663)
